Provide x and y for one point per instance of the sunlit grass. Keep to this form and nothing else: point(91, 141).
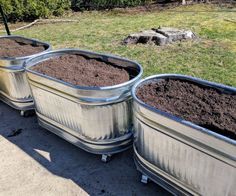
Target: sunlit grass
point(212, 57)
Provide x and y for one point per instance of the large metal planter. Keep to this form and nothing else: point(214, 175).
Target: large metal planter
point(180, 156)
point(96, 119)
point(14, 89)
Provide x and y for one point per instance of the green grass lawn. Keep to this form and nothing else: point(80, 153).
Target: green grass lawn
point(213, 57)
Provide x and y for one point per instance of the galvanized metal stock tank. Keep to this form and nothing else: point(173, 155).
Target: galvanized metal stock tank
point(180, 156)
point(14, 89)
point(96, 119)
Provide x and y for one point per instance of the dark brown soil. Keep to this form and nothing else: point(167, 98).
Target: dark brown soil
point(14, 48)
point(78, 70)
point(206, 107)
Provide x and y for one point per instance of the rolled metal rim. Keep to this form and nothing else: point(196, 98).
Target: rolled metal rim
point(178, 119)
point(35, 60)
point(25, 57)
point(100, 147)
point(160, 177)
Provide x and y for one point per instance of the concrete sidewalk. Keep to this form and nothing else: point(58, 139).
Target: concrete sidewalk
point(37, 162)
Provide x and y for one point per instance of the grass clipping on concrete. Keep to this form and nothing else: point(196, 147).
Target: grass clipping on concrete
point(213, 57)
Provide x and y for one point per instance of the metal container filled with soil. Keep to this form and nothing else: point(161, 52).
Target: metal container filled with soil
point(14, 50)
point(184, 134)
point(85, 97)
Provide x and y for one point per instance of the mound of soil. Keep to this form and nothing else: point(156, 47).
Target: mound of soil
point(15, 48)
point(206, 107)
point(78, 70)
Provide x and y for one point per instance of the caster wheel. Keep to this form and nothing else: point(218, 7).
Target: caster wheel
point(27, 113)
point(23, 113)
point(144, 179)
point(106, 158)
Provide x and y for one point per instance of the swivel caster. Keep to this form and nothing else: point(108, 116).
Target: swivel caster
point(23, 113)
point(27, 113)
point(144, 179)
point(106, 158)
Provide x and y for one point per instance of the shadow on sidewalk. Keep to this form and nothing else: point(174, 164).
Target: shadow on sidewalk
point(118, 177)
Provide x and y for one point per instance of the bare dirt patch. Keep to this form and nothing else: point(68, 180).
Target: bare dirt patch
point(15, 48)
point(82, 71)
point(206, 107)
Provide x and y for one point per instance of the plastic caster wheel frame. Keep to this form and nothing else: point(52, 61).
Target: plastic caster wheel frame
point(27, 113)
point(106, 158)
point(144, 179)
